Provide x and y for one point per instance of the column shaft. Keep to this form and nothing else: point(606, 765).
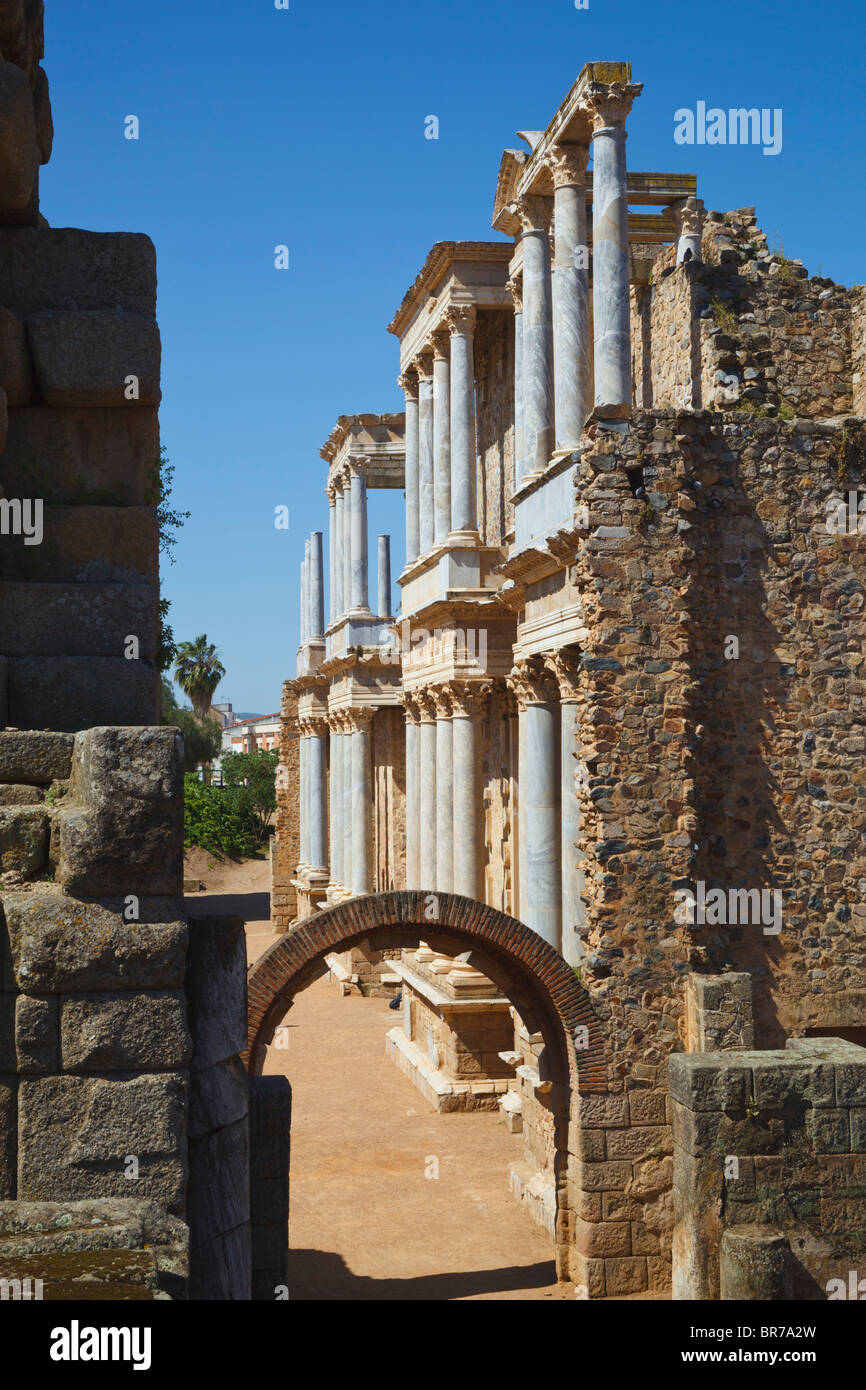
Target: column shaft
point(519, 446)
point(318, 805)
point(335, 807)
point(383, 588)
point(332, 553)
point(317, 588)
point(347, 547)
point(425, 464)
point(468, 798)
point(571, 354)
point(303, 807)
point(348, 829)
point(339, 562)
point(464, 511)
point(359, 541)
point(538, 399)
point(413, 804)
point(540, 822)
point(444, 805)
point(427, 730)
point(412, 497)
point(362, 881)
point(441, 446)
point(611, 304)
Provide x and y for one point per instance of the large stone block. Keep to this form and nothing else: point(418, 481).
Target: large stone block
point(20, 796)
point(8, 1136)
point(36, 1034)
point(218, 1096)
point(59, 946)
point(77, 1133)
point(36, 759)
point(88, 545)
point(124, 1032)
point(710, 1080)
point(16, 369)
point(78, 619)
point(217, 989)
point(23, 840)
point(121, 829)
point(64, 268)
point(98, 457)
point(86, 357)
point(19, 151)
point(79, 692)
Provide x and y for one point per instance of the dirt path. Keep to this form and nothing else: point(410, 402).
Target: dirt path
point(366, 1223)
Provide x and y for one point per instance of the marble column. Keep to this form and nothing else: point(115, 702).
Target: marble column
point(318, 800)
point(362, 803)
point(305, 569)
point(347, 541)
point(690, 224)
point(360, 602)
point(540, 830)
point(444, 793)
point(332, 553)
point(409, 383)
point(425, 454)
point(303, 797)
point(413, 794)
point(339, 561)
point(516, 288)
point(317, 588)
point(538, 398)
point(564, 668)
point(427, 743)
point(441, 439)
point(346, 789)
point(467, 705)
point(608, 104)
point(335, 805)
point(464, 506)
point(383, 574)
point(571, 351)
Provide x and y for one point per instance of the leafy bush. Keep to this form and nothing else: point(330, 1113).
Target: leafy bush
point(221, 820)
point(255, 775)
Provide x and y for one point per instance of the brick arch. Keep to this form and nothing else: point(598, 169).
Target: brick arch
point(542, 987)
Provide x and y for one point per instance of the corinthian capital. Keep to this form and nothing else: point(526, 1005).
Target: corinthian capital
point(357, 465)
point(408, 382)
point(359, 720)
point(608, 103)
point(564, 667)
point(534, 212)
point(531, 684)
point(515, 289)
point(468, 698)
point(440, 697)
point(461, 318)
point(689, 215)
point(567, 165)
point(441, 347)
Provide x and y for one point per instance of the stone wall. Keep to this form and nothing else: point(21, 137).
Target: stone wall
point(674, 341)
point(286, 840)
point(857, 299)
point(770, 1148)
point(494, 373)
point(270, 1135)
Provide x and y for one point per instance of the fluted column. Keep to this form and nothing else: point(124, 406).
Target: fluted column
point(444, 792)
point(303, 799)
point(540, 830)
point(427, 741)
point(608, 104)
point(346, 789)
point(464, 507)
point(317, 588)
point(335, 805)
point(425, 453)
point(516, 288)
point(564, 668)
point(339, 559)
point(467, 705)
point(383, 575)
point(360, 600)
point(305, 594)
point(347, 541)
point(317, 730)
point(409, 383)
point(362, 803)
point(571, 350)
point(538, 398)
point(332, 553)
point(413, 793)
point(441, 439)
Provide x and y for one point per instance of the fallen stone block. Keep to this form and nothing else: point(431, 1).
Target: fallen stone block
point(88, 357)
point(34, 758)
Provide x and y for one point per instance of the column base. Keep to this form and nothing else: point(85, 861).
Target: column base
point(470, 539)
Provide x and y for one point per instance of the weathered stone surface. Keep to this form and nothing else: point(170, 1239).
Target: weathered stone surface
point(85, 357)
point(76, 1134)
point(35, 759)
point(36, 1033)
point(69, 457)
point(65, 268)
point(77, 619)
point(700, 1082)
point(218, 1096)
point(23, 840)
point(216, 989)
point(19, 152)
point(42, 112)
point(16, 368)
point(60, 946)
point(20, 796)
point(121, 828)
point(755, 1263)
point(87, 545)
point(124, 1032)
point(67, 692)
point(8, 1136)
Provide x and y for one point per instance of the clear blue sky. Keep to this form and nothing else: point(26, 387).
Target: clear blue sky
point(306, 127)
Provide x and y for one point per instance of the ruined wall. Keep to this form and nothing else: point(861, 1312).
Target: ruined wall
point(494, 375)
point(674, 339)
point(79, 437)
point(857, 300)
point(739, 771)
point(286, 840)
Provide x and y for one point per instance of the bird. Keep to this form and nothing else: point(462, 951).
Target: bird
point(396, 1001)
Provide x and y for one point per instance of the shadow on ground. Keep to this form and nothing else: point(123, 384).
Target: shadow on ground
point(323, 1275)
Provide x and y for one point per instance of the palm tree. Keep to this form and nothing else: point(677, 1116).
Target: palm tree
point(198, 671)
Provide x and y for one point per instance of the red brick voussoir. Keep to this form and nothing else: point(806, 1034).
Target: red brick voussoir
point(542, 987)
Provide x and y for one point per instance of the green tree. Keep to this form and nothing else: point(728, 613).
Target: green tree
point(219, 819)
point(254, 775)
point(170, 520)
point(202, 738)
point(198, 671)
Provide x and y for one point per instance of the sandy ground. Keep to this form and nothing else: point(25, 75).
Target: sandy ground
point(366, 1222)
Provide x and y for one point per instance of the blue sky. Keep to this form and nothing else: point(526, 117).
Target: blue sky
point(305, 127)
